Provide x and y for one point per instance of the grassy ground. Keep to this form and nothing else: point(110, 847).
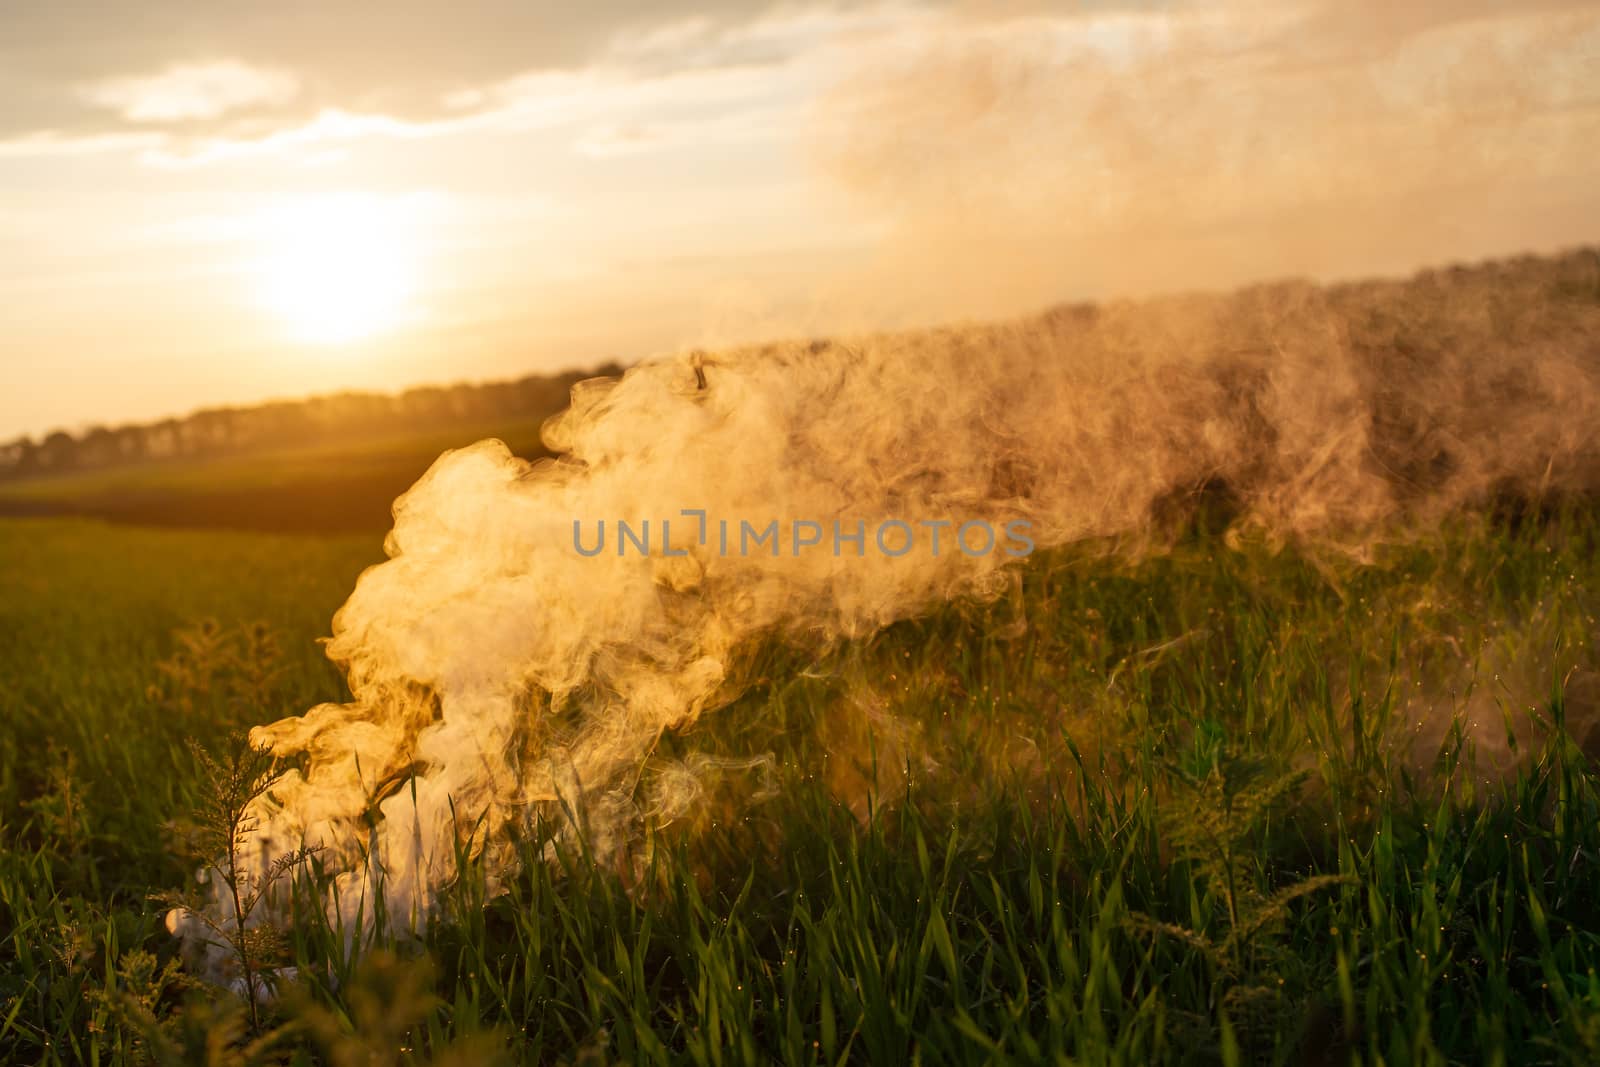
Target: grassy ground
point(1216, 807)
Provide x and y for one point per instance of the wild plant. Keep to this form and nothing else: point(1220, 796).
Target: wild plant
point(223, 832)
point(1216, 824)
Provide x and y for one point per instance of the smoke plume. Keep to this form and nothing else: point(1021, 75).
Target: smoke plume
point(500, 674)
point(1011, 154)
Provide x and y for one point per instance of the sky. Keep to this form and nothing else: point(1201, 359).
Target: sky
point(206, 203)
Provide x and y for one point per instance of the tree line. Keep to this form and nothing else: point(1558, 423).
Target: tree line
point(223, 431)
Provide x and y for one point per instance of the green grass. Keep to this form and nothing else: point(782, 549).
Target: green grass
point(87, 613)
point(1208, 808)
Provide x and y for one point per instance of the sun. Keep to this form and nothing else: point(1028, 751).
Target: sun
point(338, 269)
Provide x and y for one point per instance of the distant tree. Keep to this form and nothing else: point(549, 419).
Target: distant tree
point(19, 458)
point(129, 443)
point(96, 448)
point(164, 439)
point(58, 452)
point(277, 423)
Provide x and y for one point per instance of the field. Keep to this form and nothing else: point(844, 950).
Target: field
point(1223, 805)
point(316, 487)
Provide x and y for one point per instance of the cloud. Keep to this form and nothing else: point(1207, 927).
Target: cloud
point(743, 127)
point(196, 91)
point(49, 143)
point(621, 112)
point(197, 69)
point(629, 100)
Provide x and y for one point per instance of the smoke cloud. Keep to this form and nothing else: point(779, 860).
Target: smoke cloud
point(499, 675)
point(1013, 155)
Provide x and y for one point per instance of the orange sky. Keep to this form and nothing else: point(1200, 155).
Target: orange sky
point(201, 204)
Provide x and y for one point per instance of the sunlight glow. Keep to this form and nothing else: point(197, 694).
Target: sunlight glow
point(340, 268)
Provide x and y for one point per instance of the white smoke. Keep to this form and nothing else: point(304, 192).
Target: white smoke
point(1022, 150)
point(499, 674)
